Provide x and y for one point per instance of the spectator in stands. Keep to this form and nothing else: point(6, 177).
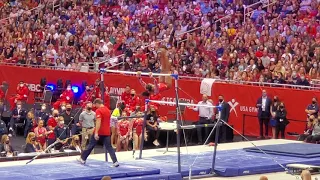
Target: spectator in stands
point(41, 134)
point(125, 96)
point(137, 125)
point(62, 133)
point(22, 94)
point(68, 116)
point(30, 123)
point(43, 114)
point(315, 136)
point(273, 110)
point(124, 133)
point(282, 121)
point(87, 119)
point(75, 143)
point(18, 116)
point(264, 107)
point(66, 97)
point(313, 108)
point(5, 146)
point(31, 144)
point(52, 123)
point(152, 126)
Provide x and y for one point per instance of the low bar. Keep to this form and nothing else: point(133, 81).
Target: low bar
point(130, 117)
point(197, 126)
point(134, 73)
point(181, 104)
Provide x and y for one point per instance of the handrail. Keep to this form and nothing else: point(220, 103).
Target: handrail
point(43, 66)
point(248, 115)
point(254, 4)
point(253, 83)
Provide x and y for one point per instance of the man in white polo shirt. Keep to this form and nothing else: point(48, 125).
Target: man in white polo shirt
point(205, 115)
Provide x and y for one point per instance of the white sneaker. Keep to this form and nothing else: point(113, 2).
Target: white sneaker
point(116, 164)
point(81, 161)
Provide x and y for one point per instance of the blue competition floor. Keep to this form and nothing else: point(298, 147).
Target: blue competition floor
point(228, 163)
point(293, 149)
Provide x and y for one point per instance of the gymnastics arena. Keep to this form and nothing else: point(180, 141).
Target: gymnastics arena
point(159, 89)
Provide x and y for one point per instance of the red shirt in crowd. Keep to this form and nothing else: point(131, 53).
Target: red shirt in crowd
point(133, 103)
point(104, 114)
point(22, 92)
point(97, 92)
point(53, 123)
point(124, 127)
point(125, 96)
point(85, 97)
point(66, 96)
point(137, 125)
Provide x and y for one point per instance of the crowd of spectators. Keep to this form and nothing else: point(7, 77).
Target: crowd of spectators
point(278, 43)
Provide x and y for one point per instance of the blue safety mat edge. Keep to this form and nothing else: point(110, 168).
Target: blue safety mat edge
point(284, 154)
point(293, 146)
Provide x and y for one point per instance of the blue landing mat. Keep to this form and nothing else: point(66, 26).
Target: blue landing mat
point(284, 154)
point(302, 149)
point(232, 162)
point(73, 170)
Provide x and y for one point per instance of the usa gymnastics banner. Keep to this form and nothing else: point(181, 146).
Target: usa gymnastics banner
point(241, 98)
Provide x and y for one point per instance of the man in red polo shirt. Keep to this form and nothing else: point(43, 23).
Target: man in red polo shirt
point(101, 131)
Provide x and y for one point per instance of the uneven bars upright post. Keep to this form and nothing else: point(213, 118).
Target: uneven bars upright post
point(216, 140)
point(178, 120)
point(143, 127)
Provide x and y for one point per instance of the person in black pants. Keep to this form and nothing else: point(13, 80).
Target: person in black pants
point(101, 131)
point(62, 133)
point(263, 105)
point(282, 122)
point(152, 125)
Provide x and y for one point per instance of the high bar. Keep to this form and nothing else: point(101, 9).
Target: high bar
point(181, 104)
point(130, 72)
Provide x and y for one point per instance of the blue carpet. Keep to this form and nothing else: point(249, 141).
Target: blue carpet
point(228, 163)
point(299, 149)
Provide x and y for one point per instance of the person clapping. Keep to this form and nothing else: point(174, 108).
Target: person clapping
point(124, 134)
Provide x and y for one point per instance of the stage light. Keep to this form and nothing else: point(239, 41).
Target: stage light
point(75, 89)
point(51, 87)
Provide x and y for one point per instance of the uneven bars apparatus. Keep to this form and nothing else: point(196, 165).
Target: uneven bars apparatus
point(178, 122)
point(180, 127)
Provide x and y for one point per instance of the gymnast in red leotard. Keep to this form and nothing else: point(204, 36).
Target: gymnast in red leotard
point(124, 134)
point(137, 125)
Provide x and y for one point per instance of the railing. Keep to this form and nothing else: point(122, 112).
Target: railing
point(263, 84)
point(303, 123)
point(52, 67)
point(264, 5)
